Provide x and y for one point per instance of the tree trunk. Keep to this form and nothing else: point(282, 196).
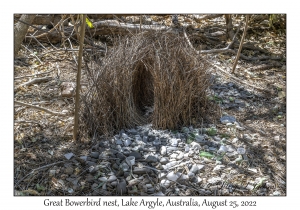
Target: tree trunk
point(20, 30)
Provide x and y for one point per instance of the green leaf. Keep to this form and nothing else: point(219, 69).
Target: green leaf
point(89, 23)
point(40, 187)
point(206, 155)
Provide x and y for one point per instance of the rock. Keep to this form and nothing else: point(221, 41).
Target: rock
point(84, 158)
point(165, 183)
point(194, 169)
point(90, 163)
point(127, 142)
point(164, 160)
point(276, 193)
point(191, 175)
point(121, 187)
point(214, 180)
point(95, 155)
point(247, 137)
point(133, 131)
point(227, 119)
point(67, 89)
point(179, 156)
point(69, 155)
point(151, 159)
point(89, 178)
point(218, 167)
point(137, 155)
point(103, 179)
point(276, 138)
point(139, 171)
point(195, 146)
point(173, 176)
point(112, 178)
point(199, 138)
point(118, 142)
point(174, 142)
point(163, 150)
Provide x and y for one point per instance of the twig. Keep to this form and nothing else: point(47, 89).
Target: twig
point(33, 54)
point(40, 108)
point(26, 121)
point(33, 75)
point(241, 45)
point(235, 78)
point(35, 81)
point(226, 49)
point(42, 167)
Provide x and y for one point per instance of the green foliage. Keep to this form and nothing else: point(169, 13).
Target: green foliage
point(206, 155)
point(211, 131)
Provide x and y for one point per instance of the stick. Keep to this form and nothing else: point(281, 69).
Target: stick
point(82, 32)
point(241, 44)
point(35, 81)
point(40, 108)
point(33, 75)
point(42, 167)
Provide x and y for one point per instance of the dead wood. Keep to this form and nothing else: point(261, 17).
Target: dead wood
point(40, 108)
point(241, 44)
point(35, 81)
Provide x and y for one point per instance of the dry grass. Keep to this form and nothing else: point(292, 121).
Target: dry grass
point(152, 69)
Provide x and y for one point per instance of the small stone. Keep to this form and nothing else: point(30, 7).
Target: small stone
point(179, 156)
point(127, 142)
point(191, 175)
point(199, 138)
point(164, 160)
point(173, 176)
point(247, 137)
point(151, 159)
point(235, 140)
point(137, 170)
point(195, 146)
point(137, 155)
point(227, 119)
point(112, 178)
point(218, 167)
point(276, 193)
point(165, 183)
point(69, 155)
point(52, 172)
point(214, 180)
point(118, 142)
point(276, 138)
point(103, 179)
point(163, 150)
point(94, 154)
point(121, 187)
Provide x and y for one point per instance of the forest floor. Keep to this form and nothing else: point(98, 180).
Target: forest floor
point(42, 139)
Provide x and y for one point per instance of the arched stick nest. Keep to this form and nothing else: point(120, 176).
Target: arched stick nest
point(145, 70)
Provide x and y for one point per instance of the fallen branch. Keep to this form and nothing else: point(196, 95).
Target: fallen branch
point(33, 75)
point(37, 169)
point(236, 79)
point(198, 19)
point(241, 44)
point(35, 81)
point(40, 108)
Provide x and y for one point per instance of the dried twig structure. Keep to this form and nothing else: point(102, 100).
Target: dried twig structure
point(146, 70)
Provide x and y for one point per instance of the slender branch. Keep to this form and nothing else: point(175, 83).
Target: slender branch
point(16, 78)
point(34, 81)
point(40, 108)
point(82, 33)
point(241, 44)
